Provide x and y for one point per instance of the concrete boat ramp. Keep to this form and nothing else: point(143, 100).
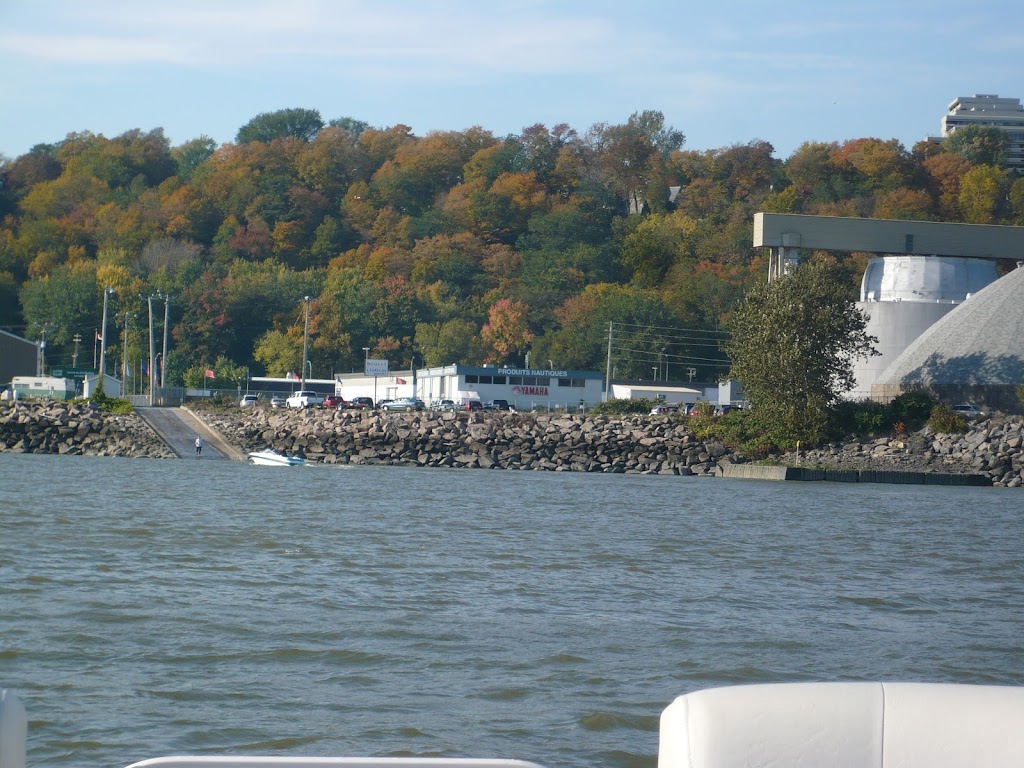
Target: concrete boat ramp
point(179, 428)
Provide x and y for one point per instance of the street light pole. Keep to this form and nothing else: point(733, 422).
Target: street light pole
point(305, 347)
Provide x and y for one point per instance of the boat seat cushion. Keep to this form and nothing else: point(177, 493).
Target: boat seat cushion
point(845, 725)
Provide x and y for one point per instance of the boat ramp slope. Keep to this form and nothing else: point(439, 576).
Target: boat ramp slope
point(776, 472)
point(178, 428)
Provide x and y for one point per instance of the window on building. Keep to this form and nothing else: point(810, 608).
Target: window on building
point(472, 378)
point(572, 382)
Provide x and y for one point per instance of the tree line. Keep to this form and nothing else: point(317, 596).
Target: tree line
point(452, 247)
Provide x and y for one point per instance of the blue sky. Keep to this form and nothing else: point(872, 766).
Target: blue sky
point(724, 73)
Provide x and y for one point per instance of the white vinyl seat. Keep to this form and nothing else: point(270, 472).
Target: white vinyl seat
point(223, 761)
point(845, 725)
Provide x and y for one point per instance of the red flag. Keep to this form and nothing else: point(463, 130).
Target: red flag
point(210, 374)
point(98, 337)
point(399, 381)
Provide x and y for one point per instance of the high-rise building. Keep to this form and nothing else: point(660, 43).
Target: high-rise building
point(988, 110)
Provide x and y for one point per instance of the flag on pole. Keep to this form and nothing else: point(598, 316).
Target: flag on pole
point(399, 381)
point(145, 368)
point(210, 374)
point(98, 336)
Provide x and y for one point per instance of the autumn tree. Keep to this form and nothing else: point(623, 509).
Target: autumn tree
point(982, 191)
point(506, 330)
point(632, 158)
point(792, 343)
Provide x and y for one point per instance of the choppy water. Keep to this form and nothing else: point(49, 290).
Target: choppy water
point(167, 607)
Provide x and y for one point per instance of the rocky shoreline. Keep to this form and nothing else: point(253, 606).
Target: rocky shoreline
point(76, 429)
point(552, 442)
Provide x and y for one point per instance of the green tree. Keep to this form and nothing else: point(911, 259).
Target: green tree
point(298, 123)
point(192, 154)
point(980, 144)
point(792, 344)
point(455, 341)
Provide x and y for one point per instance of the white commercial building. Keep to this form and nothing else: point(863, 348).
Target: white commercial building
point(523, 388)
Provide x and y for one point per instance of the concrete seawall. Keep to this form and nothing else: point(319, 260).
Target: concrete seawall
point(810, 474)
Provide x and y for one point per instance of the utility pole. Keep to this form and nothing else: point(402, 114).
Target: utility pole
point(305, 347)
point(608, 365)
point(163, 360)
point(41, 356)
point(124, 353)
point(103, 336)
point(77, 338)
point(152, 373)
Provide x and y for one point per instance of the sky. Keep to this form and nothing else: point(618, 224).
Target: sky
point(724, 72)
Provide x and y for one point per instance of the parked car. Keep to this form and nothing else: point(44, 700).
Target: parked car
point(497, 405)
point(361, 403)
point(277, 402)
point(304, 398)
point(334, 401)
point(443, 405)
point(248, 401)
point(403, 404)
point(968, 410)
point(663, 409)
point(724, 409)
point(472, 405)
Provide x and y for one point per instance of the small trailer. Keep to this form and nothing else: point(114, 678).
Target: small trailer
point(43, 386)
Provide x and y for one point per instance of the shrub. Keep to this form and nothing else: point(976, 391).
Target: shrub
point(912, 408)
point(622, 407)
point(109, 404)
point(863, 417)
point(943, 419)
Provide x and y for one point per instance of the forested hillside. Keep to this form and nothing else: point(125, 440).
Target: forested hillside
point(449, 247)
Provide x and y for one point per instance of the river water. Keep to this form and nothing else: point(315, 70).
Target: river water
point(210, 607)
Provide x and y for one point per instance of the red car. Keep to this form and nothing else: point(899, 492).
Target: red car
point(334, 401)
point(472, 405)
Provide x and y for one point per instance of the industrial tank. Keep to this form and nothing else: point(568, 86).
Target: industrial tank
point(903, 296)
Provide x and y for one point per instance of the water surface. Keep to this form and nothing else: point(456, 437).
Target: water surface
point(167, 607)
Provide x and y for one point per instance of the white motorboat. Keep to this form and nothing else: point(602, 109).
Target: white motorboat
point(269, 458)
